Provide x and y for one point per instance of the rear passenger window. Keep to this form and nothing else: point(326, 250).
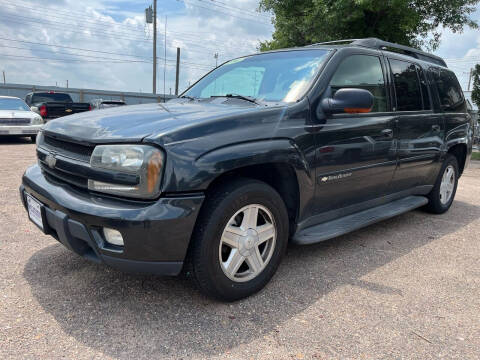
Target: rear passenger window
point(407, 86)
point(449, 91)
point(362, 72)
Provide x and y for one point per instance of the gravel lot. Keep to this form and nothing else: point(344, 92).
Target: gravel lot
point(407, 288)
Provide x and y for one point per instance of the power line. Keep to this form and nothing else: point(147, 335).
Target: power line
point(207, 66)
point(225, 13)
point(112, 33)
point(229, 7)
point(187, 41)
point(84, 18)
point(41, 59)
point(73, 48)
point(21, 57)
point(64, 53)
point(61, 26)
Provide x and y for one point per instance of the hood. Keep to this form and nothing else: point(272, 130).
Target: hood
point(134, 123)
point(17, 114)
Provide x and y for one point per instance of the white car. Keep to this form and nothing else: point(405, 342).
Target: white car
point(17, 119)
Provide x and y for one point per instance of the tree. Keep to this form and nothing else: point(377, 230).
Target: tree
point(476, 86)
point(416, 23)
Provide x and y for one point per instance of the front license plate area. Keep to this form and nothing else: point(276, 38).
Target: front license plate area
point(35, 211)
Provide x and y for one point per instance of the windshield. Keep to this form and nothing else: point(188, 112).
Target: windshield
point(51, 97)
point(13, 104)
point(279, 76)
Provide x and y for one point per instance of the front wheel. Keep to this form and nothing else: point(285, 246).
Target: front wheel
point(442, 195)
point(240, 238)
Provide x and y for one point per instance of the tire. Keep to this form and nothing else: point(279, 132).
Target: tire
point(33, 138)
point(210, 256)
point(437, 203)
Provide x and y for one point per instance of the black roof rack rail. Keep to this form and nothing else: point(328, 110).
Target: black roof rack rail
point(374, 43)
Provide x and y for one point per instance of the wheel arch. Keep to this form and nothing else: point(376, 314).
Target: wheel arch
point(280, 176)
point(460, 151)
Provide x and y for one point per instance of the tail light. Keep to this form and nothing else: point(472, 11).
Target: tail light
point(43, 111)
point(90, 108)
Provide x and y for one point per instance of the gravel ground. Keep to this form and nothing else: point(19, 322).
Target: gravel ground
point(407, 288)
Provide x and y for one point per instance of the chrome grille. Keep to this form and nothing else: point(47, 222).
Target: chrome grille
point(68, 149)
point(14, 121)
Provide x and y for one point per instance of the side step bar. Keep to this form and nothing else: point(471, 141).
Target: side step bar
point(344, 225)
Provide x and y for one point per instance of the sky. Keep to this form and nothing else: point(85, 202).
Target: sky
point(119, 43)
point(105, 44)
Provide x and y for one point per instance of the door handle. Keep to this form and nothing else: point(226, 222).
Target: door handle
point(436, 128)
point(387, 133)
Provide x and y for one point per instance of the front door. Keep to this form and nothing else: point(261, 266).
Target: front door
point(356, 153)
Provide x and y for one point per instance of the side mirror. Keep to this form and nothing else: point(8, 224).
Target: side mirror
point(350, 101)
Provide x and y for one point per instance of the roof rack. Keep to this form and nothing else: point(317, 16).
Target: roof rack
point(378, 44)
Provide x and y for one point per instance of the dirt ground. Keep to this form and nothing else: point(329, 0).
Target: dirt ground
point(406, 288)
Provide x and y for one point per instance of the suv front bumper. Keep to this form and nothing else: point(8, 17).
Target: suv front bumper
point(156, 234)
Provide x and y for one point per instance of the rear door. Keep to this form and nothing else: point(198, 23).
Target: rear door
point(419, 131)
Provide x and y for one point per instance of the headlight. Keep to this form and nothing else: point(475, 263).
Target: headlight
point(37, 120)
point(142, 160)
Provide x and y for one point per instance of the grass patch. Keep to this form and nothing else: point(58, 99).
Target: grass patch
point(476, 156)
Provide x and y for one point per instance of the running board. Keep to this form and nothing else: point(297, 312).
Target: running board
point(344, 225)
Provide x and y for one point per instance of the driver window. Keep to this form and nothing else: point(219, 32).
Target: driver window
point(362, 72)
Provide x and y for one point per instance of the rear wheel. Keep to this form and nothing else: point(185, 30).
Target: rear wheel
point(443, 193)
point(239, 240)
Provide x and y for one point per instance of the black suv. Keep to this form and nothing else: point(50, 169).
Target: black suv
point(299, 145)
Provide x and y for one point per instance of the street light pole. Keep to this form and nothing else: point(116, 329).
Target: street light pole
point(154, 46)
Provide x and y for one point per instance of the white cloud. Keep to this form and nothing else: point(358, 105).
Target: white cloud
point(114, 28)
point(461, 51)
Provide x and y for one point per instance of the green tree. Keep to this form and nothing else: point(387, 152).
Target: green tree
point(476, 86)
point(416, 23)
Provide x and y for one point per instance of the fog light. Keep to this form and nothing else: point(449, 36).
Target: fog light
point(113, 236)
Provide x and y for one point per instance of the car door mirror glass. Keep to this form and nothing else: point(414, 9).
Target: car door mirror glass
point(350, 101)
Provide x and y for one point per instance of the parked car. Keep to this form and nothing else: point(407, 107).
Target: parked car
point(51, 105)
point(476, 127)
point(105, 104)
point(16, 118)
point(218, 181)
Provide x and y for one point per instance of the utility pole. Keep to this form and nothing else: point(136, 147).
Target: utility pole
point(470, 79)
point(67, 84)
point(216, 59)
point(177, 76)
point(4, 77)
point(151, 18)
point(165, 63)
point(154, 46)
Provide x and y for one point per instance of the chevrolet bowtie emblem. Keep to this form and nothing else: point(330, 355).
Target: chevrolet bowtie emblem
point(68, 110)
point(51, 161)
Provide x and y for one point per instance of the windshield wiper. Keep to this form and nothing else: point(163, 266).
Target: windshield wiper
point(187, 97)
point(238, 96)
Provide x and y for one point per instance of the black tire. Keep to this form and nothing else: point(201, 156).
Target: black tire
point(33, 138)
point(435, 205)
point(221, 205)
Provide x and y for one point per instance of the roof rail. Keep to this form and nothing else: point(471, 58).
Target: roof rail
point(374, 43)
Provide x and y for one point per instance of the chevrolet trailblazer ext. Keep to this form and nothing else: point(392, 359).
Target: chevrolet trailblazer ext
point(303, 144)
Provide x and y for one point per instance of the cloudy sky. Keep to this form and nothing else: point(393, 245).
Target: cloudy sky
point(105, 44)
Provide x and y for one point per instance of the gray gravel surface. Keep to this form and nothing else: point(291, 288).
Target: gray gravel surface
point(407, 288)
